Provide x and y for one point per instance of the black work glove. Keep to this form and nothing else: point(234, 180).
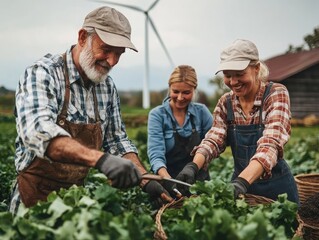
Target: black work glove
point(158, 195)
point(240, 186)
point(171, 188)
point(122, 172)
point(188, 175)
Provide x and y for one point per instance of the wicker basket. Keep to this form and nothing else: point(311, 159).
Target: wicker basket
point(307, 184)
point(254, 200)
point(160, 234)
point(307, 231)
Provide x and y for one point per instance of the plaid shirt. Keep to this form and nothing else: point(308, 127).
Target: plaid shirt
point(39, 100)
point(276, 118)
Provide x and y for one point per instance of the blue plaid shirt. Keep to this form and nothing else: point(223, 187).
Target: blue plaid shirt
point(39, 100)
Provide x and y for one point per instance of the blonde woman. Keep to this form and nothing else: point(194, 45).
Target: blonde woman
point(176, 127)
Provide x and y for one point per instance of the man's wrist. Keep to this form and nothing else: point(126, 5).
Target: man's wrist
point(100, 161)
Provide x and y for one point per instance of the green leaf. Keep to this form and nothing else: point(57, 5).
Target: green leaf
point(57, 209)
point(248, 231)
point(66, 231)
point(6, 220)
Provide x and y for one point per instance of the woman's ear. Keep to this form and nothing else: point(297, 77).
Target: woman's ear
point(257, 67)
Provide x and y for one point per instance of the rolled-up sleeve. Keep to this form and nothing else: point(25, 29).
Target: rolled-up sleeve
point(214, 142)
point(277, 115)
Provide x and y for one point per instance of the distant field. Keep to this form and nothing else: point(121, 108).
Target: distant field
point(303, 132)
point(297, 132)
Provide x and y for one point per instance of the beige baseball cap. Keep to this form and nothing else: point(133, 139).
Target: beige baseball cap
point(111, 26)
point(238, 55)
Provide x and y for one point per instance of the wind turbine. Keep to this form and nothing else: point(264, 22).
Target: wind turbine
point(148, 20)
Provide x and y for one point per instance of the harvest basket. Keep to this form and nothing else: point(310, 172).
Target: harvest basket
point(160, 234)
point(307, 184)
point(254, 200)
point(307, 231)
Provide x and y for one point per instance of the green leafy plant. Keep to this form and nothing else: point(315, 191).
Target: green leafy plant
point(214, 214)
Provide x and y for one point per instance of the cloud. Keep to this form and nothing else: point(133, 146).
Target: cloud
point(194, 32)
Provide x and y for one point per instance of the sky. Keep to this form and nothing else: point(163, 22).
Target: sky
point(194, 32)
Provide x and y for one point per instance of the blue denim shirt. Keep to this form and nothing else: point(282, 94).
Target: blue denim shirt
point(160, 130)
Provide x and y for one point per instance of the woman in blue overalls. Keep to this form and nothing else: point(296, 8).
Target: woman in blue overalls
point(176, 127)
point(254, 119)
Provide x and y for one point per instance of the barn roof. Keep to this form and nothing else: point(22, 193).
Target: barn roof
point(286, 65)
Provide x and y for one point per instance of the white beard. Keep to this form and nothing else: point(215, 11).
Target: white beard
point(87, 62)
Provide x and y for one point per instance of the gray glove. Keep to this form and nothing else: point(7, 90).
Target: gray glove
point(122, 172)
point(240, 186)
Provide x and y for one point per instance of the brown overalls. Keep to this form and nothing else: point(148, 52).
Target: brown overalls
point(44, 176)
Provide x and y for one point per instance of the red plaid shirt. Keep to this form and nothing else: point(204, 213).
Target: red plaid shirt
point(276, 118)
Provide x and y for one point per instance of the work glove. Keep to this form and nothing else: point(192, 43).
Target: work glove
point(172, 189)
point(158, 195)
point(122, 172)
point(240, 186)
point(188, 175)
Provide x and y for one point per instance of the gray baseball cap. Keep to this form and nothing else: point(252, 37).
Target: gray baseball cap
point(111, 26)
point(238, 55)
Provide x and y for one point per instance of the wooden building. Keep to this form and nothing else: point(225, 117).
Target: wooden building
point(299, 72)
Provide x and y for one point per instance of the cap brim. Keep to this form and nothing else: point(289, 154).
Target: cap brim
point(234, 65)
point(115, 40)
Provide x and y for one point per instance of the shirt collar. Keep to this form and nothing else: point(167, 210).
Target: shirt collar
point(74, 74)
point(258, 97)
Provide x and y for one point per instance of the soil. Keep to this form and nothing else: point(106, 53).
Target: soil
point(309, 210)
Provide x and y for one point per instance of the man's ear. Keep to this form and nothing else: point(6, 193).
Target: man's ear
point(82, 38)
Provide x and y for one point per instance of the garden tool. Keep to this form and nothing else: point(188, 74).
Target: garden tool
point(160, 178)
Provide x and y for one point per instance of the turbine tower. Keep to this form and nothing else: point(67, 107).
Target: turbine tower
point(148, 20)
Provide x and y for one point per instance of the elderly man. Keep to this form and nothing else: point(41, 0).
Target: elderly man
point(68, 116)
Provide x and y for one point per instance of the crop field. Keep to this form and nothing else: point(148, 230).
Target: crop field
point(98, 211)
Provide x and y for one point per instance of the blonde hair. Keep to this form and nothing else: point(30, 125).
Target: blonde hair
point(263, 70)
point(183, 73)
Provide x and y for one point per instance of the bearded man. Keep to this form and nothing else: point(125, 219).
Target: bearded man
point(68, 117)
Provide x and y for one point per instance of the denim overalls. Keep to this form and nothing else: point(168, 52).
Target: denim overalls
point(243, 142)
point(179, 155)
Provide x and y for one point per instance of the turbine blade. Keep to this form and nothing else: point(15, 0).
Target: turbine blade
point(121, 5)
point(161, 41)
point(153, 5)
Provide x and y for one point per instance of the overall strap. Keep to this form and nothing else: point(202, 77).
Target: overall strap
point(96, 112)
point(192, 122)
point(230, 112)
point(67, 93)
point(173, 123)
point(266, 93)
